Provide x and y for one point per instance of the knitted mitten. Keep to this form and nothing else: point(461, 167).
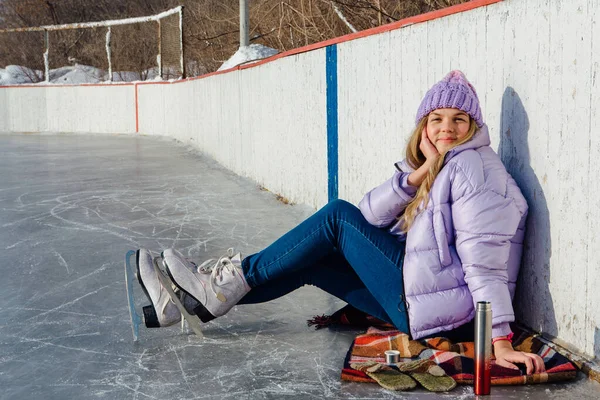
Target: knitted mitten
point(430, 375)
point(387, 377)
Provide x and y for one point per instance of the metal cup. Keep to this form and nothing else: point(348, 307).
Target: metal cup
point(392, 356)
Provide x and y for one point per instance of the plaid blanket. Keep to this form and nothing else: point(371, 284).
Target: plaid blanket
point(455, 358)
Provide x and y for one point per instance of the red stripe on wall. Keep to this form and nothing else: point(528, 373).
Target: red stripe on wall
point(137, 116)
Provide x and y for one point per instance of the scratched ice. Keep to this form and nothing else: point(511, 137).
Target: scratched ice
point(70, 208)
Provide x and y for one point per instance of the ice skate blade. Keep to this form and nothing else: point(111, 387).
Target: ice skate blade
point(136, 320)
point(192, 320)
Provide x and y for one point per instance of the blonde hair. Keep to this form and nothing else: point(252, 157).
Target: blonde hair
point(416, 158)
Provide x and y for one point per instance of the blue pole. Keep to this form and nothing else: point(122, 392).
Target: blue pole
point(332, 123)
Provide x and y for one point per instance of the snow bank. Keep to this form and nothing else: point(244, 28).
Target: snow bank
point(73, 75)
point(79, 74)
point(246, 54)
point(15, 75)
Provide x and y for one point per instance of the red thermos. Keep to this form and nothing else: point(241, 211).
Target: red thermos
point(483, 348)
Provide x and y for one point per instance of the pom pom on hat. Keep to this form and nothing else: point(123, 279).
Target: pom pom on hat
point(454, 91)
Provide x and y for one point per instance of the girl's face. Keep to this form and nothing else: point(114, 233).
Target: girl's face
point(446, 126)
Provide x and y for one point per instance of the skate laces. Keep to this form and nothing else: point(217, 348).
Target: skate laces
point(217, 272)
point(207, 266)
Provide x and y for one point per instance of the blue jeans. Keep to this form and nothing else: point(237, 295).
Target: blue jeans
point(337, 250)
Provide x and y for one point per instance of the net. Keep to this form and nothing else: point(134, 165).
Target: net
point(134, 51)
point(72, 47)
point(170, 47)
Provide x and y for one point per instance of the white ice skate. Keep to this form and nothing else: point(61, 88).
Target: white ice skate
point(168, 285)
point(162, 310)
point(216, 288)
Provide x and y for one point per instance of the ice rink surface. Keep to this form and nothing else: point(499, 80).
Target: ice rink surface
point(71, 206)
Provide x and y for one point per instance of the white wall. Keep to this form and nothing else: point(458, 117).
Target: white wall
point(4, 125)
point(535, 65)
point(24, 110)
point(264, 122)
point(92, 109)
point(100, 109)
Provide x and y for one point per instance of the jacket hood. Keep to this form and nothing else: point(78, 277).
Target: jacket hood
point(480, 138)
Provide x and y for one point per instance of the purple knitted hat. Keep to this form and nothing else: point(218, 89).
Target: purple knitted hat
point(454, 91)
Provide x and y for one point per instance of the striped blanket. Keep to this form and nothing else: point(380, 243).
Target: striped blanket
point(455, 358)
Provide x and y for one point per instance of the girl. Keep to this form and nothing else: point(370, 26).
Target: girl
point(444, 232)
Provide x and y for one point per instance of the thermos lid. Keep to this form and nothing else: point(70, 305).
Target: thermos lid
point(484, 306)
point(392, 356)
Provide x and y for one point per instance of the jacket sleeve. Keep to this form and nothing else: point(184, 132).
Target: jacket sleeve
point(484, 223)
point(383, 204)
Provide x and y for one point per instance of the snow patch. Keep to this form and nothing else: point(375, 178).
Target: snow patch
point(80, 74)
point(247, 54)
point(73, 75)
point(16, 75)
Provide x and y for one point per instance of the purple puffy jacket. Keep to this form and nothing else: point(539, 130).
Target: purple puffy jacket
point(465, 246)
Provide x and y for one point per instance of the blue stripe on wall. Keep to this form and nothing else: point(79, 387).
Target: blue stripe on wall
point(332, 123)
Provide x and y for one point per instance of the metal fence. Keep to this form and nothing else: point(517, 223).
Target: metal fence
point(119, 50)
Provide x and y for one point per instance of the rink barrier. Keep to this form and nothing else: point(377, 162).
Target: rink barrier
point(533, 93)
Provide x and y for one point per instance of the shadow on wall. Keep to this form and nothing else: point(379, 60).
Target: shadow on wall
point(597, 343)
point(533, 300)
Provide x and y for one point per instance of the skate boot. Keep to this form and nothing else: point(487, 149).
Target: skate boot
point(216, 287)
point(161, 311)
point(157, 288)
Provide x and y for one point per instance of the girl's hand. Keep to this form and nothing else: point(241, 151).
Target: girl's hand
point(427, 148)
point(431, 155)
point(506, 357)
